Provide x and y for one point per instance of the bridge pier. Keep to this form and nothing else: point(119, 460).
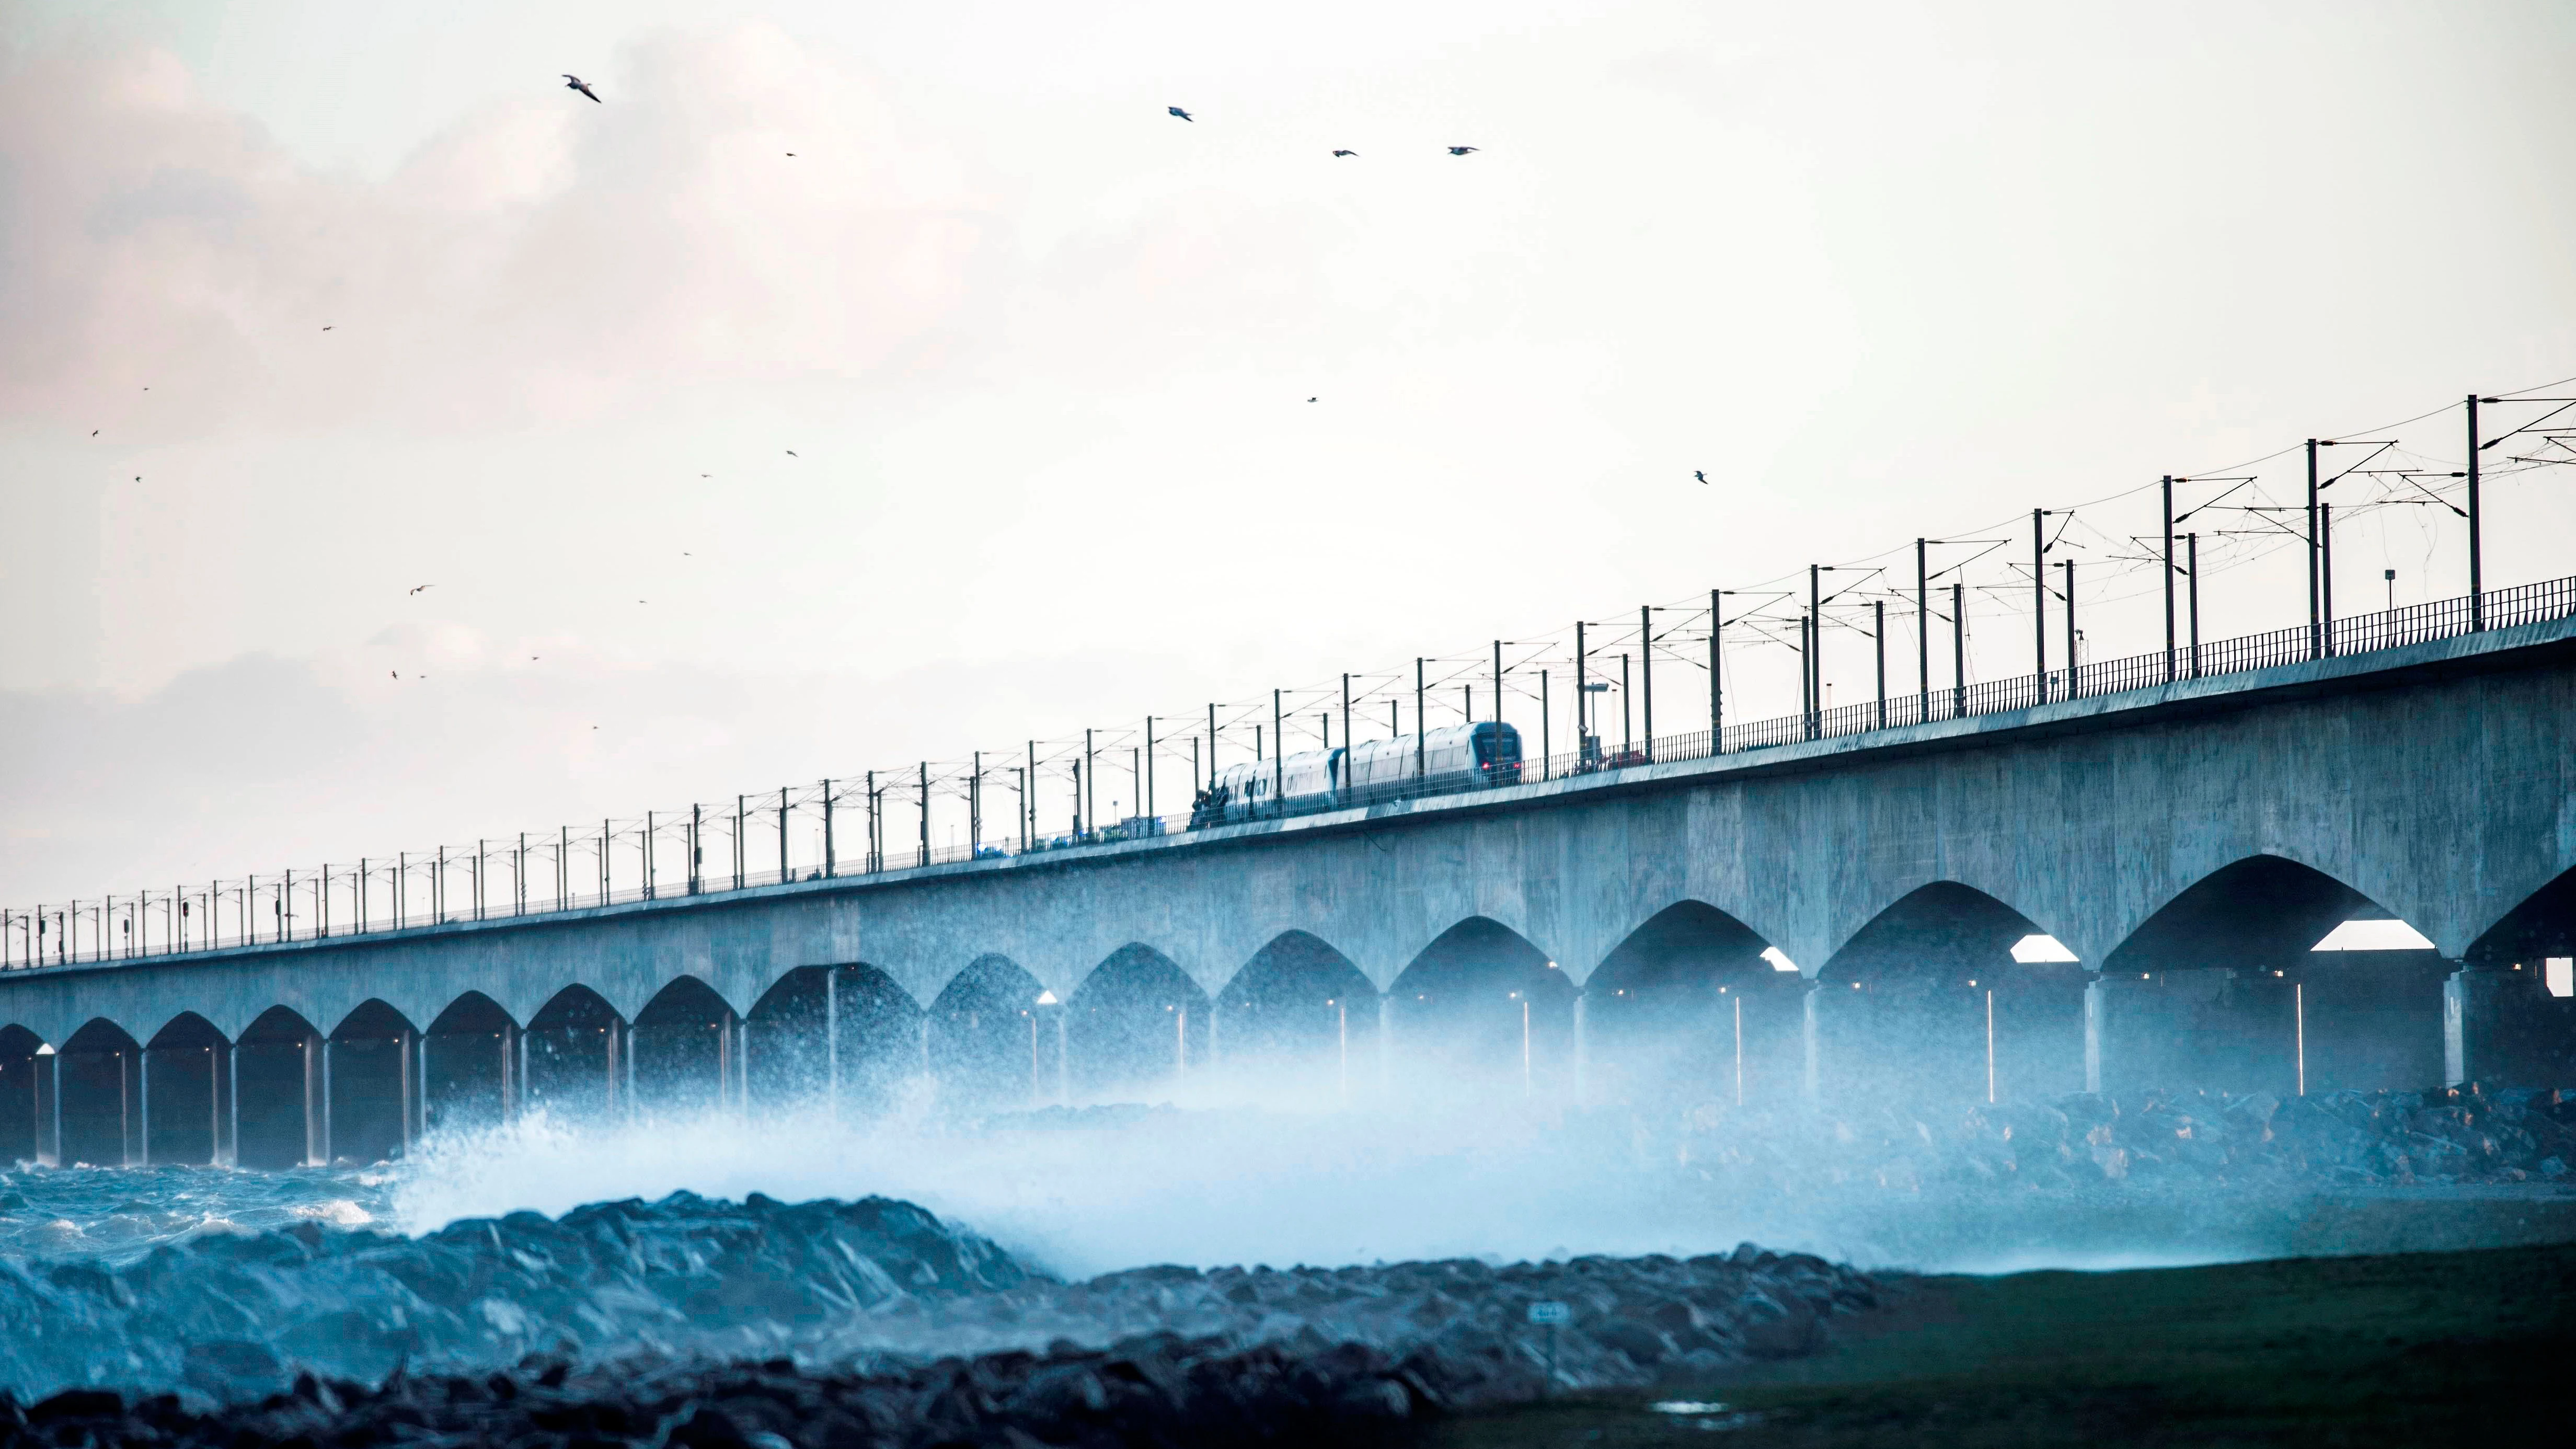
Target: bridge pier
point(1582, 1051)
point(1386, 1043)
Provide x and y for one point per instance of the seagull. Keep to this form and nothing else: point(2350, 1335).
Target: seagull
point(93, 432)
point(1184, 115)
point(1310, 399)
point(1700, 473)
point(791, 452)
point(396, 673)
point(326, 329)
point(424, 586)
point(576, 83)
point(1346, 153)
point(1460, 150)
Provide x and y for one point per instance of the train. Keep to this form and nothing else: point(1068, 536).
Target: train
point(1461, 757)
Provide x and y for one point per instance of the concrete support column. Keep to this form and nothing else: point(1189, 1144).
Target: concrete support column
point(312, 1064)
point(326, 1101)
point(2480, 1019)
point(509, 1077)
point(2133, 1028)
point(1063, 1058)
point(404, 1048)
point(58, 1108)
point(424, 1083)
point(1582, 1051)
point(626, 1052)
point(1385, 1041)
point(232, 1104)
point(2095, 1008)
point(1811, 1040)
point(832, 1043)
point(143, 1106)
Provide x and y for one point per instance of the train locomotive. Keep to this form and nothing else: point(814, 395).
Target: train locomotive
point(1459, 757)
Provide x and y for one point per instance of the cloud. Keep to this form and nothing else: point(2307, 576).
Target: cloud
point(541, 260)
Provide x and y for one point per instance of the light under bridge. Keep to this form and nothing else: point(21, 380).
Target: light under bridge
point(1611, 934)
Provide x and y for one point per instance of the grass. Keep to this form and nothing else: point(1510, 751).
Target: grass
point(2410, 1349)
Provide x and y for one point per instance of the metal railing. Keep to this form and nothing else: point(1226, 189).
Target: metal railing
point(499, 881)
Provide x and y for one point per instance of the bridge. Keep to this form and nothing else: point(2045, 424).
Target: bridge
point(2097, 880)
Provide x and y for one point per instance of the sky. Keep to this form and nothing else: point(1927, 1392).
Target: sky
point(397, 447)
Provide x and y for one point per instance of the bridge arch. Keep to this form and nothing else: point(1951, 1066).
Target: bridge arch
point(25, 1062)
point(1928, 1000)
point(370, 1101)
point(1137, 1024)
point(983, 1041)
point(469, 1065)
point(688, 1052)
point(2222, 986)
point(792, 1053)
point(277, 1090)
point(102, 1067)
point(1483, 1010)
point(1296, 1016)
point(185, 1070)
point(577, 1051)
point(1691, 1006)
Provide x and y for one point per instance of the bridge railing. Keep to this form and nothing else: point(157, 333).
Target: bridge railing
point(502, 882)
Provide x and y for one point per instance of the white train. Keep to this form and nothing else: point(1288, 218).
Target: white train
point(1460, 757)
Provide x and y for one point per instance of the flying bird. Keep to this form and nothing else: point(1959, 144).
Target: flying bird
point(326, 329)
point(791, 452)
point(1184, 115)
point(1700, 473)
point(1460, 150)
point(396, 673)
point(1346, 153)
point(1310, 399)
point(576, 83)
point(93, 432)
point(424, 586)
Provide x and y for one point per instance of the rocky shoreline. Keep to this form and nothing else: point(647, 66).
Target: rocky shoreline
point(1348, 1356)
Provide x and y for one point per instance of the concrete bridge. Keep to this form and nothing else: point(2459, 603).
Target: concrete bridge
point(1625, 935)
